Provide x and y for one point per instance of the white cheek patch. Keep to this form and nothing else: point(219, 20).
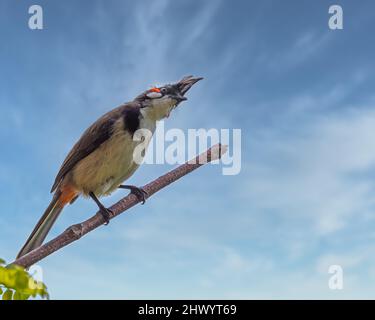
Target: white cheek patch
point(153, 95)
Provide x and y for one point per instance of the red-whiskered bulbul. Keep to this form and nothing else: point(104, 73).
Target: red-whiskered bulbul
point(103, 157)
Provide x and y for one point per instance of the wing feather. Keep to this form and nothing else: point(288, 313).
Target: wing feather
point(91, 139)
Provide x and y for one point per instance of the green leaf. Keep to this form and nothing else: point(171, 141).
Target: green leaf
point(17, 296)
point(16, 278)
point(2, 261)
point(20, 296)
point(8, 295)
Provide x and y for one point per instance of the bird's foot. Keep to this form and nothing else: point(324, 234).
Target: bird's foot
point(140, 193)
point(106, 214)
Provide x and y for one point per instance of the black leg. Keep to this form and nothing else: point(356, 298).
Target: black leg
point(102, 209)
point(139, 192)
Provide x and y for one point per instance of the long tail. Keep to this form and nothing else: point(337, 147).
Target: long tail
point(44, 225)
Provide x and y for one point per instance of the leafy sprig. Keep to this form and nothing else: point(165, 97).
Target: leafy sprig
point(17, 284)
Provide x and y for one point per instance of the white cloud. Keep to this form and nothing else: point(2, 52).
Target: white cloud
point(308, 44)
point(314, 167)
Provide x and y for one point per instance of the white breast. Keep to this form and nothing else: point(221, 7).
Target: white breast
point(108, 166)
point(112, 163)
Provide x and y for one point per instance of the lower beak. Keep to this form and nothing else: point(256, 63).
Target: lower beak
point(178, 97)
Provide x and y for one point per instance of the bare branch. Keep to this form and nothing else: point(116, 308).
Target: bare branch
point(75, 232)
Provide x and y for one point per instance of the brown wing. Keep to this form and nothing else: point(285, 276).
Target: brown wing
point(90, 140)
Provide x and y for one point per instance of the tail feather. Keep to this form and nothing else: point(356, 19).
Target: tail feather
point(44, 225)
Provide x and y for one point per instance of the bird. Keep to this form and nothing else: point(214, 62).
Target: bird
point(102, 159)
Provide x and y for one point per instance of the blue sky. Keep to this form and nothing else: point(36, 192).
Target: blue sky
point(301, 93)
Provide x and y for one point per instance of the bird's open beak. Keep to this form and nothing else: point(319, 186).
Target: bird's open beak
point(183, 86)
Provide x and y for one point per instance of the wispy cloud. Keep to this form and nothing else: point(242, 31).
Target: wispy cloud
point(309, 173)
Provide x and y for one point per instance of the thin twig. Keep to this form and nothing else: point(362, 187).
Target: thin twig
point(75, 232)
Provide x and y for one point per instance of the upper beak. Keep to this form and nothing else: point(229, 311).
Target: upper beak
point(184, 85)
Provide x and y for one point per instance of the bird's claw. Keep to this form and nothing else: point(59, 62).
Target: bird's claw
point(140, 193)
point(106, 214)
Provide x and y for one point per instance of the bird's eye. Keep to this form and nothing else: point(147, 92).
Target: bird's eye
point(163, 90)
